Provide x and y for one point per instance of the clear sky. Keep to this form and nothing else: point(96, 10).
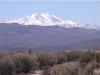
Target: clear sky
point(81, 10)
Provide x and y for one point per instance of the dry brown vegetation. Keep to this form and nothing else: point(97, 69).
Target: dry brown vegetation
point(73, 68)
point(66, 63)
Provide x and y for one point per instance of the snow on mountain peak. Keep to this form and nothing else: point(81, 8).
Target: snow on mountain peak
point(37, 19)
point(44, 19)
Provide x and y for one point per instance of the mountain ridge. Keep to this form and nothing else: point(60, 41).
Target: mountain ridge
point(50, 38)
point(44, 19)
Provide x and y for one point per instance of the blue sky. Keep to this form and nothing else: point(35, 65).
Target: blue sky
point(81, 10)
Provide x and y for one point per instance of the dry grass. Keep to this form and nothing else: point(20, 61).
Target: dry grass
point(74, 68)
point(70, 68)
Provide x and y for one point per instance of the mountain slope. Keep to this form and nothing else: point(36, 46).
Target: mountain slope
point(13, 36)
point(93, 44)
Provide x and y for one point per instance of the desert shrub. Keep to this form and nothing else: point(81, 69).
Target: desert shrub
point(18, 66)
point(25, 63)
point(4, 54)
point(70, 68)
point(89, 68)
point(1, 54)
point(46, 59)
point(68, 56)
point(61, 58)
point(98, 57)
point(86, 57)
point(46, 71)
point(73, 55)
point(7, 66)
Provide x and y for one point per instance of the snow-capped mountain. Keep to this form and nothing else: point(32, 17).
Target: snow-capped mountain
point(44, 19)
point(47, 32)
point(37, 19)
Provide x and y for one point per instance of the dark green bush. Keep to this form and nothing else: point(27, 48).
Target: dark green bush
point(18, 66)
point(28, 64)
point(46, 59)
point(98, 57)
point(7, 66)
point(87, 57)
point(25, 63)
point(61, 58)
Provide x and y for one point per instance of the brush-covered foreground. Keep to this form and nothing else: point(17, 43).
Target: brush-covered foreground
point(66, 63)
